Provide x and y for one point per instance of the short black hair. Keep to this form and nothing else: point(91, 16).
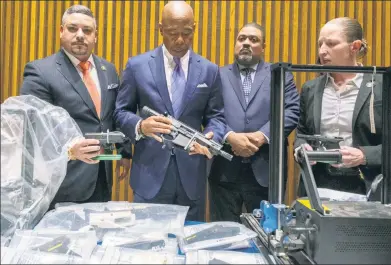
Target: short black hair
point(80, 9)
point(257, 26)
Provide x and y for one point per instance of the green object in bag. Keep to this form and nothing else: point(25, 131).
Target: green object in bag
point(107, 157)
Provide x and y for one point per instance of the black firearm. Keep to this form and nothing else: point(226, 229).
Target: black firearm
point(319, 142)
point(145, 245)
point(108, 141)
point(154, 212)
point(184, 136)
point(214, 232)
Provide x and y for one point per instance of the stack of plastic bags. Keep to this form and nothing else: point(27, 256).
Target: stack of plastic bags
point(116, 216)
point(34, 140)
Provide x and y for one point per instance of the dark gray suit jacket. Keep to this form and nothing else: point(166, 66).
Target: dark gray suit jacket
point(371, 144)
point(251, 117)
point(56, 80)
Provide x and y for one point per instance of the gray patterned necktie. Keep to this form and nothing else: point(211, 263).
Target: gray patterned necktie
point(247, 82)
point(178, 85)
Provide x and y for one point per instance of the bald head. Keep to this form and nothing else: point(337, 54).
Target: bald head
point(177, 27)
point(174, 10)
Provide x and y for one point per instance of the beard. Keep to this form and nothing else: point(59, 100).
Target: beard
point(245, 59)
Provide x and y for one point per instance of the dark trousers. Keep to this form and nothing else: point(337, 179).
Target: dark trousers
point(228, 198)
point(172, 192)
point(101, 192)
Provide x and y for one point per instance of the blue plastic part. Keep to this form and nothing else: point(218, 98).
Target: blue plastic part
point(269, 216)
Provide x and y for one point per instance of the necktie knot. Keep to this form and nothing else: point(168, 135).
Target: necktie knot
point(247, 71)
point(177, 60)
point(85, 66)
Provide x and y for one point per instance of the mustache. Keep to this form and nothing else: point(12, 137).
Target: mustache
point(79, 43)
point(246, 49)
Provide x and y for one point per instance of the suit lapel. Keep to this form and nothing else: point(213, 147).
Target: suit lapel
point(236, 82)
point(192, 81)
point(362, 96)
point(102, 76)
point(262, 71)
point(68, 70)
point(157, 68)
point(318, 98)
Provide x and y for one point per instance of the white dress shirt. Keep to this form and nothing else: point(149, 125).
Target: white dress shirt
point(338, 107)
point(93, 72)
point(169, 66)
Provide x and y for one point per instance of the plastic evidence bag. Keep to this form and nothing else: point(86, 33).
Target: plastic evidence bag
point(224, 257)
point(208, 235)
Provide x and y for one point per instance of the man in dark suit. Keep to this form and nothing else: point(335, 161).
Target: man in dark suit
point(339, 104)
point(85, 86)
point(246, 93)
point(172, 79)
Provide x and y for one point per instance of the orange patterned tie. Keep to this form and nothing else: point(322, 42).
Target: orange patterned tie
point(90, 84)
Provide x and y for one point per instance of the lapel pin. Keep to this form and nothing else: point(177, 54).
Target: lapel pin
point(103, 68)
point(370, 84)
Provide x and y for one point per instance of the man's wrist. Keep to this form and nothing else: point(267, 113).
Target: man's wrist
point(228, 135)
point(139, 131)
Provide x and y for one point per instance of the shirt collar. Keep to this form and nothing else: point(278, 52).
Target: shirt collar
point(356, 80)
point(76, 61)
point(254, 67)
point(170, 58)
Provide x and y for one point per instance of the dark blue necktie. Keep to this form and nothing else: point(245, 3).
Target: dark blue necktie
point(247, 82)
point(177, 86)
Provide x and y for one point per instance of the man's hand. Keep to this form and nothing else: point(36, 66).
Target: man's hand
point(241, 145)
point(196, 148)
point(351, 157)
point(84, 150)
point(154, 125)
point(125, 164)
point(257, 138)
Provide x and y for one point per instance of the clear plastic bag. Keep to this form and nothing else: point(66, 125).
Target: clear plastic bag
point(210, 235)
point(115, 255)
point(141, 241)
point(336, 195)
point(237, 245)
point(76, 244)
point(5, 241)
point(17, 256)
point(35, 136)
point(164, 218)
point(224, 257)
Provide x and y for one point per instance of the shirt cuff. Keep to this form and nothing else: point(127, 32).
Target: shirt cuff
point(138, 135)
point(226, 135)
point(267, 138)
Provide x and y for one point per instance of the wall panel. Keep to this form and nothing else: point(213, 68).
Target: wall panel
point(29, 30)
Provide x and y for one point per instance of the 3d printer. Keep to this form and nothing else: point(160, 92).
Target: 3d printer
point(314, 230)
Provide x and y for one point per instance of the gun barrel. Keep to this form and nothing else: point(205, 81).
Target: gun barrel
point(226, 155)
point(324, 156)
point(149, 112)
point(320, 138)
